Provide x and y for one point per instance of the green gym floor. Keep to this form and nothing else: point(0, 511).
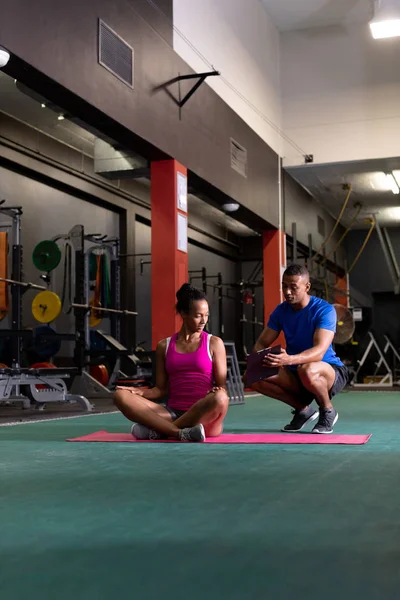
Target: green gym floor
point(178, 521)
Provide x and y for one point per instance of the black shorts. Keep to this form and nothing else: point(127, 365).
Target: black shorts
point(175, 413)
point(342, 378)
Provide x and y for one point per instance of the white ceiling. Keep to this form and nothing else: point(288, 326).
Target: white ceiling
point(289, 15)
point(369, 187)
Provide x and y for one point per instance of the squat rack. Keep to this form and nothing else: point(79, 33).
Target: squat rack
point(19, 384)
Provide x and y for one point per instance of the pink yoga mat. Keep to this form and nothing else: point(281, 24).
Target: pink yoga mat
point(237, 438)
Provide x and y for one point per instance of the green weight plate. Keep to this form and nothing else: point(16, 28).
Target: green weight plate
point(46, 255)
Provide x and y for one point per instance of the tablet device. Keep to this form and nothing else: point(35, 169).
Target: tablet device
point(256, 370)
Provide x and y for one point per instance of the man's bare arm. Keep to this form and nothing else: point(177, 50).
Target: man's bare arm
point(266, 339)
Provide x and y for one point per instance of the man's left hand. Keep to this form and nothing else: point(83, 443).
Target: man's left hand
point(278, 360)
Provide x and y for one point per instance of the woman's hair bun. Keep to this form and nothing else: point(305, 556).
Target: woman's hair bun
point(187, 294)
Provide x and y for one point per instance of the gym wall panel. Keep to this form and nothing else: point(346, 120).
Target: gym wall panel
point(302, 209)
point(251, 332)
point(146, 120)
point(143, 285)
point(240, 38)
point(371, 273)
point(48, 212)
point(198, 258)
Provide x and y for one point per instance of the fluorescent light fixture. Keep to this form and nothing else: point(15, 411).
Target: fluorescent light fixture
point(392, 185)
point(385, 29)
point(396, 175)
point(386, 22)
point(394, 213)
point(61, 117)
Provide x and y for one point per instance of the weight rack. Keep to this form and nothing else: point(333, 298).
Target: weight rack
point(18, 384)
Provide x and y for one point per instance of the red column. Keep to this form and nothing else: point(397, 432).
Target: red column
point(274, 263)
point(169, 258)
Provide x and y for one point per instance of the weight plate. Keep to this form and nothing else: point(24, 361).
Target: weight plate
point(100, 374)
point(97, 342)
point(45, 347)
point(46, 255)
point(42, 365)
point(46, 307)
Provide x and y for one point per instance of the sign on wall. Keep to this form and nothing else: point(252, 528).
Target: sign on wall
point(182, 192)
point(182, 233)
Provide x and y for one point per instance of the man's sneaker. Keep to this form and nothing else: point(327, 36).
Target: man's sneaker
point(141, 432)
point(326, 421)
point(301, 418)
point(192, 434)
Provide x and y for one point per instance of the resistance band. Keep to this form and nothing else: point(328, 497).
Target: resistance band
point(335, 226)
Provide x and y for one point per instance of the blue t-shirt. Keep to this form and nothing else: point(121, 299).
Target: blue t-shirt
point(299, 326)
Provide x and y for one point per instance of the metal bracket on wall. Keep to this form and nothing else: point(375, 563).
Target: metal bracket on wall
point(201, 77)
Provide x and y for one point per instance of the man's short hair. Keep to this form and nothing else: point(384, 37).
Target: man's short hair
point(297, 270)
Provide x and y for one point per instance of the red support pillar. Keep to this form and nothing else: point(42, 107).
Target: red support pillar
point(274, 263)
point(169, 258)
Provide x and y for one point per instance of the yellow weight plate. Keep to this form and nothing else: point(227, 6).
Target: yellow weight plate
point(94, 317)
point(46, 307)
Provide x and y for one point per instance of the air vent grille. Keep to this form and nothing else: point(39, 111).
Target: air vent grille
point(238, 158)
point(115, 54)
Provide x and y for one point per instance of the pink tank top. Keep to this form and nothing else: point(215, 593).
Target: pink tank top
point(190, 375)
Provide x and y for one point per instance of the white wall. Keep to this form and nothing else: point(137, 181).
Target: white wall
point(239, 39)
point(340, 94)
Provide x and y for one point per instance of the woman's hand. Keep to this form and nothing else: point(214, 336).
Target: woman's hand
point(132, 390)
point(215, 389)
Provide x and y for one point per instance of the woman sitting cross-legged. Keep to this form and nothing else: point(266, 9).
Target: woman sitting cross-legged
point(191, 370)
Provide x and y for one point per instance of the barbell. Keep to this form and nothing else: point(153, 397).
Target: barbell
point(98, 308)
point(47, 306)
point(26, 284)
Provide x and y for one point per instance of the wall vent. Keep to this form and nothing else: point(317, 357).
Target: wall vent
point(115, 54)
point(321, 226)
point(238, 158)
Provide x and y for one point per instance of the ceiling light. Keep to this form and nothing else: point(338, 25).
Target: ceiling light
point(4, 57)
point(386, 22)
point(394, 213)
point(385, 29)
point(61, 117)
point(230, 206)
point(392, 185)
point(396, 175)
point(43, 105)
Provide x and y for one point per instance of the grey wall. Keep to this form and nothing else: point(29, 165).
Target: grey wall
point(249, 331)
point(48, 212)
point(198, 258)
point(371, 273)
point(143, 285)
point(302, 209)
